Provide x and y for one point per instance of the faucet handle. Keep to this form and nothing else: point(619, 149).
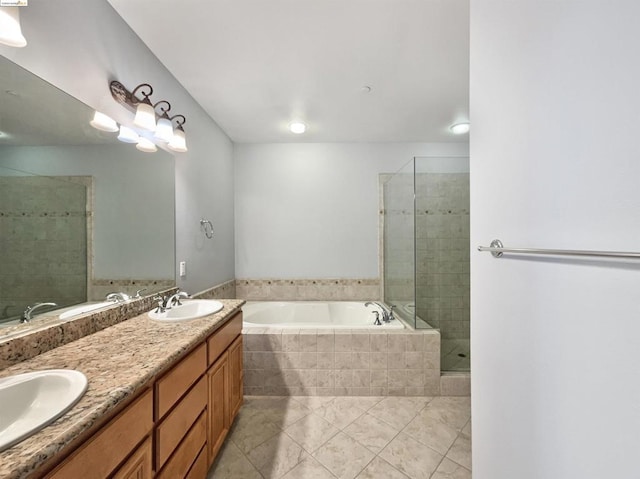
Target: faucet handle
point(377, 321)
point(391, 308)
point(161, 300)
point(138, 293)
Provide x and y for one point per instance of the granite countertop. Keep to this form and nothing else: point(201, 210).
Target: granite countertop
point(118, 361)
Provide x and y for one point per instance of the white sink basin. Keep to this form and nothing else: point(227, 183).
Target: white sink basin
point(31, 401)
point(85, 308)
point(190, 309)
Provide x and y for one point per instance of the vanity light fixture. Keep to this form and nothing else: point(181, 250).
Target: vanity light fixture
point(103, 122)
point(178, 142)
point(145, 112)
point(10, 31)
point(146, 145)
point(127, 135)
point(297, 127)
point(460, 128)
point(164, 127)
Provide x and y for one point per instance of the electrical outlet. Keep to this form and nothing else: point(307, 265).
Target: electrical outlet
point(183, 268)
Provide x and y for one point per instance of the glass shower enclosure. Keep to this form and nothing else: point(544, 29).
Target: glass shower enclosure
point(425, 223)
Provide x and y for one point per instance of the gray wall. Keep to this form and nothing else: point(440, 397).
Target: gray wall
point(554, 164)
point(79, 46)
point(311, 210)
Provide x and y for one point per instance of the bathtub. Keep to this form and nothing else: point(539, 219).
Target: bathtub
point(312, 315)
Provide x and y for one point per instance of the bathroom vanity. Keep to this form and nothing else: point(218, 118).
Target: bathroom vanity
point(161, 399)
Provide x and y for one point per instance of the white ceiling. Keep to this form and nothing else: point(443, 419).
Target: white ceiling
point(256, 65)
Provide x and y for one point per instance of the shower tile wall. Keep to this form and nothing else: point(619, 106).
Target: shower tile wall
point(43, 225)
point(442, 260)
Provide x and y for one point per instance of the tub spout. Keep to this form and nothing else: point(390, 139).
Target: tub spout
point(387, 314)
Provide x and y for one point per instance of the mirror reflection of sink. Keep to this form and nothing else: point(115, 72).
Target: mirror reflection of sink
point(190, 309)
point(84, 308)
point(31, 401)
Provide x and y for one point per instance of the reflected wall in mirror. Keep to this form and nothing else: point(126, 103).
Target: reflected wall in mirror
point(81, 214)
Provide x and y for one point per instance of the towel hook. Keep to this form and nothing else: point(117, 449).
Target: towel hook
point(207, 227)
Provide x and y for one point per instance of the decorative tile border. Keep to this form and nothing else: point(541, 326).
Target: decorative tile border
point(308, 289)
point(101, 287)
point(225, 290)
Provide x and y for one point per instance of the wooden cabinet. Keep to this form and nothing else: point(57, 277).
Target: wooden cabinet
point(100, 456)
point(176, 427)
point(218, 378)
point(236, 395)
point(139, 465)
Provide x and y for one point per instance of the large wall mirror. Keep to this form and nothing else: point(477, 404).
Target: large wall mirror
point(81, 214)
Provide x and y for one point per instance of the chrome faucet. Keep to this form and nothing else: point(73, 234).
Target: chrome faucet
point(118, 297)
point(26, 315)
point(174, 300)
point(387, 313)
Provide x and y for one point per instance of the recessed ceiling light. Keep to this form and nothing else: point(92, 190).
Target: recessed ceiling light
point(460, 128)
point(297, 127)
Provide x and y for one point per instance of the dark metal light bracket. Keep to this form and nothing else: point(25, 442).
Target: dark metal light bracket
point(130, 101)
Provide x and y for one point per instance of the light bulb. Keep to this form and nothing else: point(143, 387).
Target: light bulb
point(297, 127)
point(146, 145)
point(103, 122)
point(164, 130)
point(460, 128)
point(145, 116)
point(179, 141)
point(10, 31)
point(127, 135)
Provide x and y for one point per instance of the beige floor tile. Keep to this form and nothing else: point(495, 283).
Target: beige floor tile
point(450, 470)
point(282, 411)
point(309, 469)
point(277, 456)
point(410, 457)
point(380, 469)
point(251, 430)
point(466, 431)
point(398, 411)
point(454, 411)
point(460, 452)
point(314, 402)
point(232, 464)
point(431, 432)
point(311, 432)
point(340, 414)
point(343, 456)
point(371, 432)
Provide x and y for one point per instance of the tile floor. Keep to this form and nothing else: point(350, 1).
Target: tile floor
point(348, 437)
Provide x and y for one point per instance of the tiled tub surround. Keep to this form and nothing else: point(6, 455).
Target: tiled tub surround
point(118, 362)
point(321, 315)
point(341, 362)
point(308, 289)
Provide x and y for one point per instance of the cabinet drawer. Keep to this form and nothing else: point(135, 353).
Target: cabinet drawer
point(186, 454)
point(199, 469)
point(112, 444)
point(223, 337)
point(139, 465)
point(178, 422)
point(178, 380)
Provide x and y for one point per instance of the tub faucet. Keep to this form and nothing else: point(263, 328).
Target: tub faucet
point(118, 297)
point(26, 315)
point(174, 300)
point(387, 314)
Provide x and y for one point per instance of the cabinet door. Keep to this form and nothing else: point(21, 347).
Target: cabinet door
point(235, 378)
point(218, 406)
point(139, 465)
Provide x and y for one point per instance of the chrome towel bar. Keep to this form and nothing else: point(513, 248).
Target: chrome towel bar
point(497, 249)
